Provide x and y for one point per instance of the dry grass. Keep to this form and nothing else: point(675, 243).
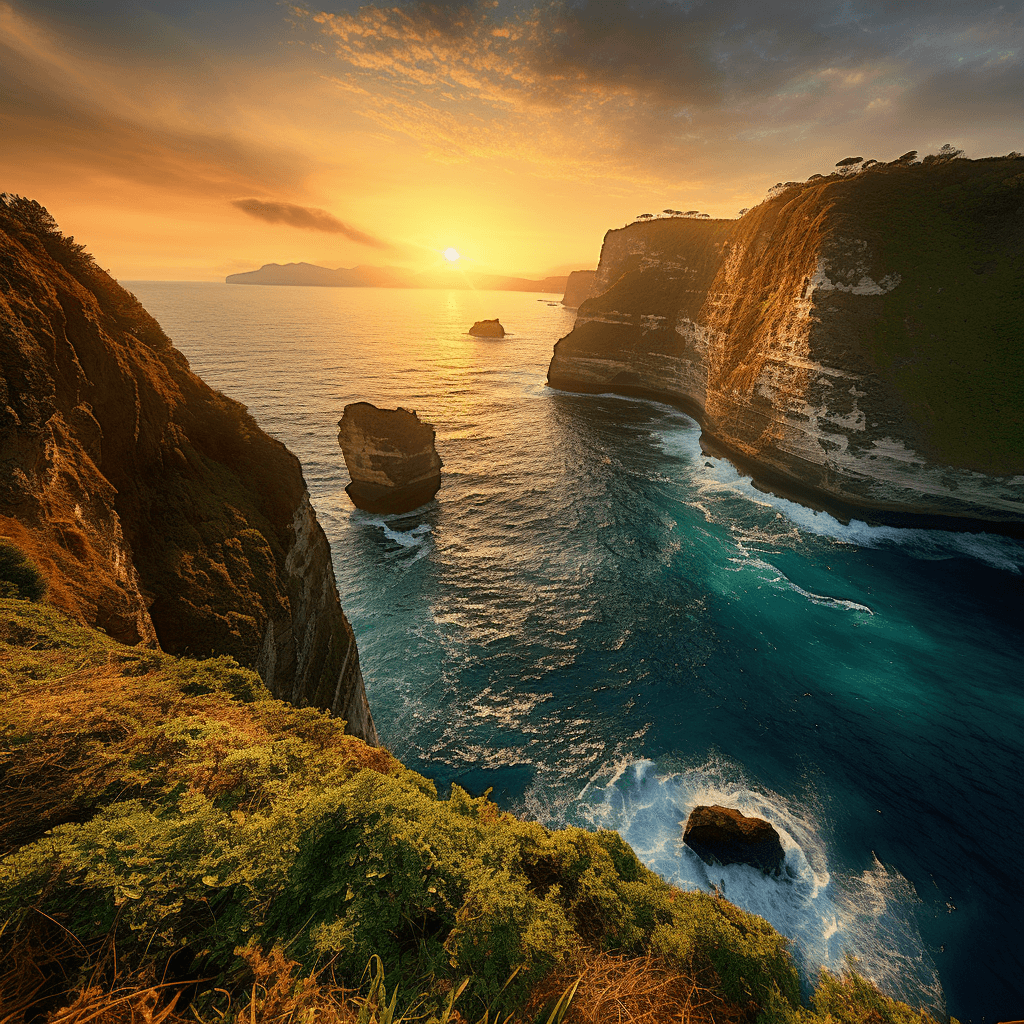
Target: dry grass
point(638, 990)
point(34, 987)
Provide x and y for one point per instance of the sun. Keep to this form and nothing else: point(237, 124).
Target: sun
point(451, 255)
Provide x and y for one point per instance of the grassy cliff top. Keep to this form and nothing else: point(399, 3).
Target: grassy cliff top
point(170, 833)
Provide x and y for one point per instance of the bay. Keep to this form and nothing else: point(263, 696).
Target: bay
point(606, 627)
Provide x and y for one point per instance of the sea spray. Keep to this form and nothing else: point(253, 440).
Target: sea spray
point(833, 917)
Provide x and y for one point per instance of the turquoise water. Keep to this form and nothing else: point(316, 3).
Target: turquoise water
point(608, 627)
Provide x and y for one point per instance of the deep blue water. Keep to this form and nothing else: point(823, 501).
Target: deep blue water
point(607, 627)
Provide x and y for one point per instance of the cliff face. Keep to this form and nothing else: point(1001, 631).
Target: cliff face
point(579, 288)
point(854, 342)
point(391, 457)
point(155, 506)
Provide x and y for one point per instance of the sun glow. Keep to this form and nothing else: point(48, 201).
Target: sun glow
point(451, 255)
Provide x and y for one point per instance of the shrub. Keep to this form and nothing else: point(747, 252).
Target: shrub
point(19, 576)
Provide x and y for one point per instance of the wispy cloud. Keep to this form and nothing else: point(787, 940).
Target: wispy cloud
point(307, 217)
point(639, 88)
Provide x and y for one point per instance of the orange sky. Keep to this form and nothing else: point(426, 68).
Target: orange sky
point(184, 140)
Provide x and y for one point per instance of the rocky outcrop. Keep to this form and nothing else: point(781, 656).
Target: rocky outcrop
point(722, 835)
point(487, 329)
point(853, 342)
point(156, 507)
point(579, 288)
point(391, 458)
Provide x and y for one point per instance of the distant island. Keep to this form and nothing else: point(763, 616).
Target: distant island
point(391, 277)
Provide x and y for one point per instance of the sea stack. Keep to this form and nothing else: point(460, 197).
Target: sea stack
point(722, 835)
point(487, 329)
point(391, 458)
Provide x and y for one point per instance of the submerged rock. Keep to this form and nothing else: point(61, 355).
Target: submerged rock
point(390, 456)
point(723, 835)
point(487, 329)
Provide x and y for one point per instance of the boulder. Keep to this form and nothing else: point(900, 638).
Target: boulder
point(487, 329)
point(722, 835)
point(390, 456)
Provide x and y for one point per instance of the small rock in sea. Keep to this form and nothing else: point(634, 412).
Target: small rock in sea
point(391, 458)
point(487, 329)
point(723, 835)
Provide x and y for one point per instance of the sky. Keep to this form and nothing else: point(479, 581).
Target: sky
point(186, 141)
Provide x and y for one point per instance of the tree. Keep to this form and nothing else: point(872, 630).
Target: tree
point(646, 216)
point(849, 161)
point(906, 158)
point(746, 209)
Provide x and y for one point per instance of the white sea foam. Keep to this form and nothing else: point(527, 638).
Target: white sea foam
point(772, 575)
point(713, 477)
point(827, 914)
point(416, 541)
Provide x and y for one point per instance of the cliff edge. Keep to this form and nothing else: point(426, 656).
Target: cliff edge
point(855, 342)
point(156, 507)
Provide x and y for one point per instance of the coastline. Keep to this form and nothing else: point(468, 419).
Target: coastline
point(771, 481)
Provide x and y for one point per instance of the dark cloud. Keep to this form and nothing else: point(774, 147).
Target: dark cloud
point(308, 218)
point(640, 89)
point(985, 91)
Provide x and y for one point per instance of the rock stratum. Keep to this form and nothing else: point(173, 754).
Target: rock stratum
point(155, 506)
point(855, 342)
point(391, 458)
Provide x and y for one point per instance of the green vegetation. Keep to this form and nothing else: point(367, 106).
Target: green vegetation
point(948, 337)
point(166, 821)
point(19, 576)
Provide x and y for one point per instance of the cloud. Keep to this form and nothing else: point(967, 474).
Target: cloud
point(308, 218)
point(65, 113)
point(644, 89)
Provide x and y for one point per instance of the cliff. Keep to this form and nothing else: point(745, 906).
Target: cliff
point(854, 342)
point(578, 288)
point(155, 507)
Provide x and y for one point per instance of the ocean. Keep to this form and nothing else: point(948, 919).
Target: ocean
point(606, 627)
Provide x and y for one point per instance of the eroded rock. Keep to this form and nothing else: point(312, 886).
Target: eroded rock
point(155, 507)
point(722, 835)
point(390, 456)
point(487, 329)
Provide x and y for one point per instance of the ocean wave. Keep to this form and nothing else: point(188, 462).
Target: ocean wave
point(828, 914)
point(718, 478)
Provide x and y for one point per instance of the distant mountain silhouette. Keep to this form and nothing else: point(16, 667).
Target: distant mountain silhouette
point(391, 277)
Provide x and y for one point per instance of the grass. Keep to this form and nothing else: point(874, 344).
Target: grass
point(179, 844)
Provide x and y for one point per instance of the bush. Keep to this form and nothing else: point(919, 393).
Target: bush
point(19, 576)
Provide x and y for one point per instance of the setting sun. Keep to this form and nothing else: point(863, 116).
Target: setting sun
point(451, 255)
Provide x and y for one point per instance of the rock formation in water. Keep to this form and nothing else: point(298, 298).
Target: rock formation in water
point(155, 506)
point(855, 342)
point(722, 835)
point(390, 456)
point(487, 329)
point(579, 288)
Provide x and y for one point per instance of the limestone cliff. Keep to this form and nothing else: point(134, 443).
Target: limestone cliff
point(855, 342)
point(579, 288)
point(155, 506)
